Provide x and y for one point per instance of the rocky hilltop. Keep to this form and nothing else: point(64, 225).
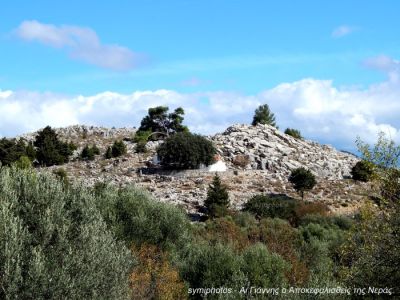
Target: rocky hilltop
point(263, 147)
point(259, 160)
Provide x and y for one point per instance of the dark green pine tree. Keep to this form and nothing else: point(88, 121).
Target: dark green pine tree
point(50, 150)
point(302, 180)
point(263, 115)
point(217, 201)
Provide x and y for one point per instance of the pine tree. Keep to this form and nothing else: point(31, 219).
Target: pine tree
point(263, 115)
point(108, 153)
point(217, 200)
point(50, 150)
point(302, 180)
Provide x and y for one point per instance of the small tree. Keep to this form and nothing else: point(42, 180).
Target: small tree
point(302, 180)
point(160, 123)
point(294, 133)
point(263, 115)
point(118, 148)
point(12, 150)
point(89, 152)
point(217, 200)
point(108, 153)
point(50, 150)
point(185, 150)
point(362, 171)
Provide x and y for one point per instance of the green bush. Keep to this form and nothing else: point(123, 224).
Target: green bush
point(362, 171)
point(186, 151)
point(217, 201)
point(136, 217)
point(54, 243)
point(263, 268)
point(12, 150)
point(294, 133)
point(118, 149)
point(302, 180)
point(141, 147)
point(61, 175)
point(89, 152)
point(23, 163)
point(271, 206)
point(212, 266)
point(108, 153)
point(50, 150)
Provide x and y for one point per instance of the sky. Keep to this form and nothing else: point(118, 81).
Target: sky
point(328, 68)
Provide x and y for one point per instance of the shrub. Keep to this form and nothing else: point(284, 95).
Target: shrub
point(224, 230)
point(61, 175)
point(284, 240)
point(141, 147)
point(108, 153)
point(212, 266)
point(311, 208)
point(118, 149)
point(54, 243)
point(12, 150)
point(186, 151)
point(272, 206)
point(263, 115)
point(137, 218)
point(302, 180)
point(294, 133)
point(23, 163)
point(217, 201)
point(50, 150)
point(263, 268)
point(89, 152)
point(362, 171)
point(155, 277)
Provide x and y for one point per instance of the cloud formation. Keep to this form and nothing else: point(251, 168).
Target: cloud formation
point(317, 108)
point(387, 65)
point(342, 31)
point(81, 43)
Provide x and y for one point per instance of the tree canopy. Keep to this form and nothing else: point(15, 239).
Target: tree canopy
point(263, 115)
point(185, 150)
point(50, 150)
point(302, 180)
point(160, 123)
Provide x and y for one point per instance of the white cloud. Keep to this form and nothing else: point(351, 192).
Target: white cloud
point(387, 65)
point(81, 43)
point(316, 107)
point(342, 31)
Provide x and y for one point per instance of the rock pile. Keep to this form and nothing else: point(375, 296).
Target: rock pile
point(263, 147)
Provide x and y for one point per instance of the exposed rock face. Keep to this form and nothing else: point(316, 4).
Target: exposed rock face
point(259, 160)
point(263, 147)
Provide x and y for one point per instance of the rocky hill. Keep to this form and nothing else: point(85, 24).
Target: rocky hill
point(259, 160)
point(263, 147)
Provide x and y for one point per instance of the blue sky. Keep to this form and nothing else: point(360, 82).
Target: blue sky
point(295, 55)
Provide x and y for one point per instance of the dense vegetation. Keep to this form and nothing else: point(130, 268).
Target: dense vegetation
point(51, 231)
point(185, 150)
point(50, 150)
point(294, 133)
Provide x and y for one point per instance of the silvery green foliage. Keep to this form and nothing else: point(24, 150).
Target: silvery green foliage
point(135, 217)
point(54, 243)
